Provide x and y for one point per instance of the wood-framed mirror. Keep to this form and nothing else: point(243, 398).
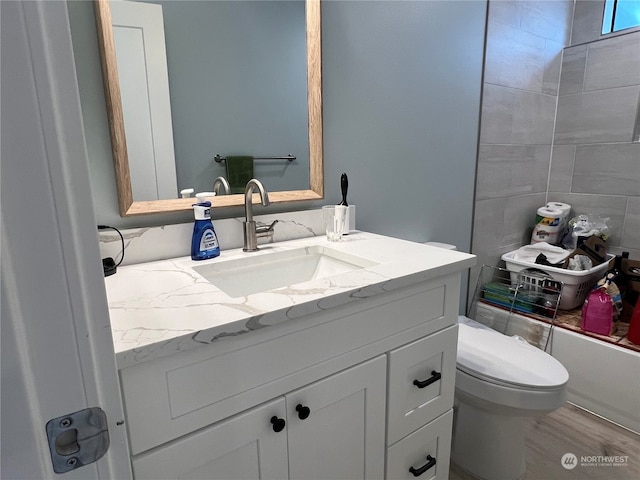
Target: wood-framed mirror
point(128, 206)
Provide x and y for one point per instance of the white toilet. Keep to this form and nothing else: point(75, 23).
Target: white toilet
point(499, 380)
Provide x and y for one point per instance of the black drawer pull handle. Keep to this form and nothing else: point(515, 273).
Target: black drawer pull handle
point(278, 423)
point(303, 412)
point(435, 376)
point(430, 463)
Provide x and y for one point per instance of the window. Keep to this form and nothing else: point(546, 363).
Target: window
point(620, 14)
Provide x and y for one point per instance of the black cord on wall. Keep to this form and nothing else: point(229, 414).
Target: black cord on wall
point(108, 264)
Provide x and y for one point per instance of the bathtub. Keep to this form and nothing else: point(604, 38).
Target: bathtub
point(603, 378)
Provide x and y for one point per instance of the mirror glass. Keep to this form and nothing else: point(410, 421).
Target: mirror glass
point(240, 78)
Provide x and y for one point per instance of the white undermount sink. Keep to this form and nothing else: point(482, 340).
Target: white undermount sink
point(261, 273)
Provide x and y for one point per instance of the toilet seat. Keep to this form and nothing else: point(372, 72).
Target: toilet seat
point(510, 362)
point(506, 400)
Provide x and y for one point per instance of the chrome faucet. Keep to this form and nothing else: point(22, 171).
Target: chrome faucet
point(252, 229)
point(221, 182)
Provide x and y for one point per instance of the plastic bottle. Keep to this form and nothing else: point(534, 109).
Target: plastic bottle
point(204, 242)
point(597, 312)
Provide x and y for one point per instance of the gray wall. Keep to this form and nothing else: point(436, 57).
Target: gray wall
point(401, 109)
point(401, 93)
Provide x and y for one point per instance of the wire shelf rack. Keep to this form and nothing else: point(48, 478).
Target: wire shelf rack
point(531, 293)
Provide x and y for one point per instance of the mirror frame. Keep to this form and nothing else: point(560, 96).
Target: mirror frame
point(127, 205)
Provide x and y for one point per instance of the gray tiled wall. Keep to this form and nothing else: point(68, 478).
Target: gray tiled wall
point(531, 153)
point(587, 21)
point(522, 76)
point(595, 167)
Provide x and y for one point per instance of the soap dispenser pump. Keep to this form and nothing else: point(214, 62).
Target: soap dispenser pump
point(204, 243)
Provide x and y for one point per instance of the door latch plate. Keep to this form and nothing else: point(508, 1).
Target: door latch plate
point(77, 439)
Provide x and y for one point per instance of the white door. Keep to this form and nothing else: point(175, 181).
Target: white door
point(57, 352)
point(138, 33)
point(341, 435)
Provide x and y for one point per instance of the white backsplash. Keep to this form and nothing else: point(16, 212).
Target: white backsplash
point(171, 241)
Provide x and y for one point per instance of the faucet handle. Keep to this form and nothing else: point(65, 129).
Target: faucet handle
point(264, 230)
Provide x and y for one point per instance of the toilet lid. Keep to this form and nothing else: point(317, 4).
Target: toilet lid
point(490, 355)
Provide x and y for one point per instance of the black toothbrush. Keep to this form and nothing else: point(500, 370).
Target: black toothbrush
point(344, 186)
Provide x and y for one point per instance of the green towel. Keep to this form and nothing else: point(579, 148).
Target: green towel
point(239, 172)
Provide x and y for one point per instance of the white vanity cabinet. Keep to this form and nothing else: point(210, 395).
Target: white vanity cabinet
point(360, 387)
point(339, 418)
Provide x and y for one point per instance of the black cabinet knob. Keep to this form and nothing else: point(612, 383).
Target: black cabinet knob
point(435, 376)
point(278, 423)
point(303, 412)
point(416, 472)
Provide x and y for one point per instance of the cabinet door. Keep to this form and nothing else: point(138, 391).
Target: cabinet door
point(243, 447)
point(343, 435)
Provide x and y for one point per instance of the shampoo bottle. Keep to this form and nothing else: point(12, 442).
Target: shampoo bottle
point(204, 243)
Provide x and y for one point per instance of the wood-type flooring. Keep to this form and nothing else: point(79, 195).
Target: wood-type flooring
point(572, 430)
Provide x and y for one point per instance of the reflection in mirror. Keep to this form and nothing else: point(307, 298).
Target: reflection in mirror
point(221, 183)
point(310, 189)
point(139, 37)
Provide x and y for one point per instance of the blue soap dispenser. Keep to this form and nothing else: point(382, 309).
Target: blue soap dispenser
point(204, 243)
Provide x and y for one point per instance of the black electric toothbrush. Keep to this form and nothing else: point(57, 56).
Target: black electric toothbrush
point(344, 186)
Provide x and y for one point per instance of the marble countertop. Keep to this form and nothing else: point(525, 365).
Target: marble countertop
point(163, 307)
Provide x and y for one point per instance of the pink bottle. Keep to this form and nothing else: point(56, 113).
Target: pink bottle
point(597, 312)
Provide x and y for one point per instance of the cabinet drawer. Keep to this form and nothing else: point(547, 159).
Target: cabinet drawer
point(421, 382)
point(427, 449)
